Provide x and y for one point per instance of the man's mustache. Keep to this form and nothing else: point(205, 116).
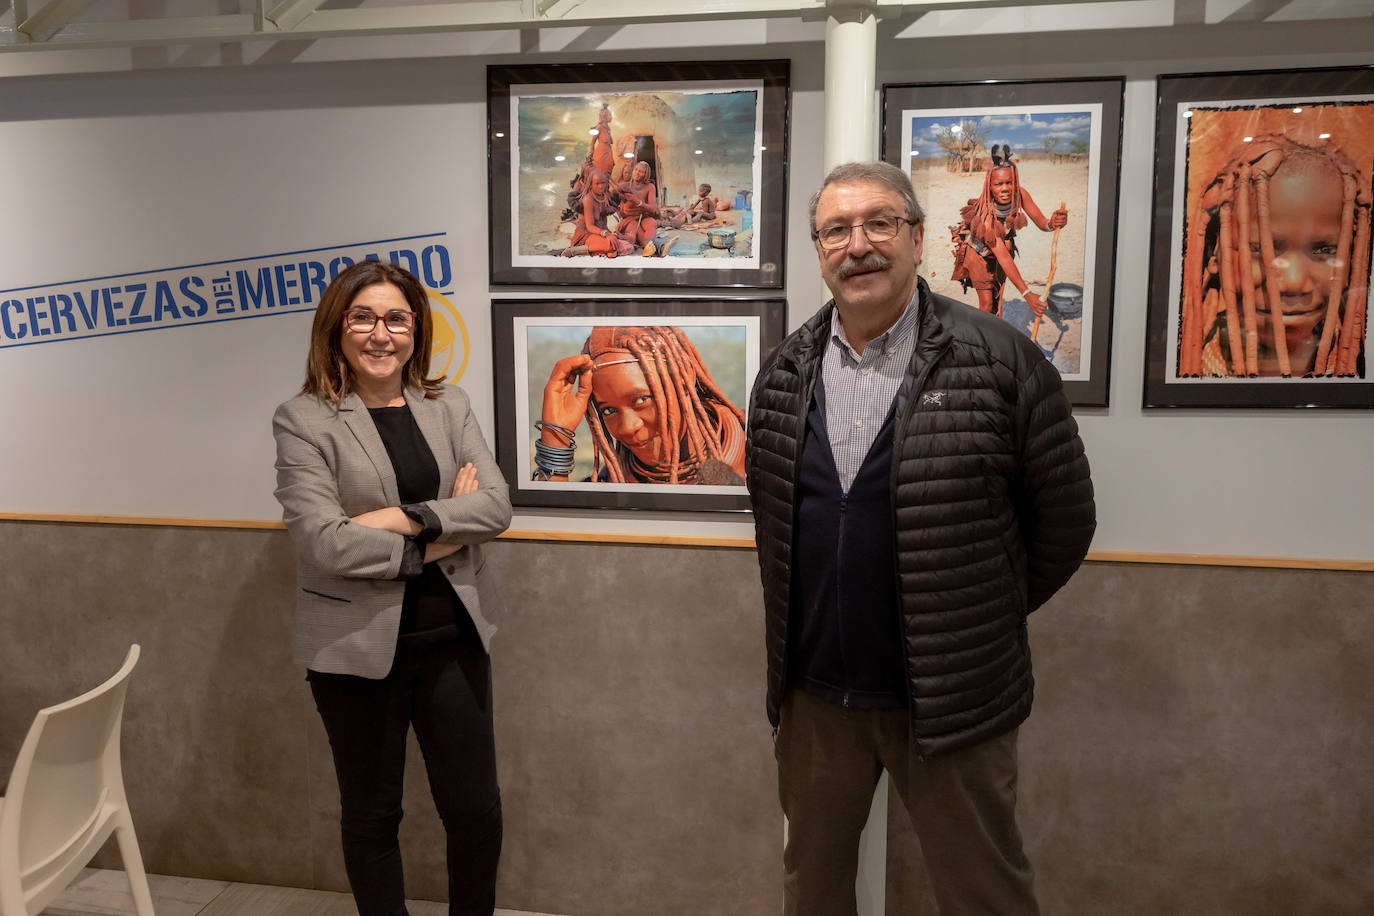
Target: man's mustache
point(869, 262)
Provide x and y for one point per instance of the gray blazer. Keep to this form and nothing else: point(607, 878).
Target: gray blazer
point(331, 466)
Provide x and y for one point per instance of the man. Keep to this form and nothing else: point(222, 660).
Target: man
point(919, 487)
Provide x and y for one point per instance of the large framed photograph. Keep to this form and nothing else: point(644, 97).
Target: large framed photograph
point(628, 403)
point(639, 174)
point(1019, 181)
point(1260, 249)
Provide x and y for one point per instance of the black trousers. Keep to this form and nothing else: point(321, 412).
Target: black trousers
point(444, 690)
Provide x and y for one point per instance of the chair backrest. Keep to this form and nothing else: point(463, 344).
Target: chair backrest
point(67, 772)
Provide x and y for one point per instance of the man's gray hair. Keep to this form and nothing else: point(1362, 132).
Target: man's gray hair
point(882, 173)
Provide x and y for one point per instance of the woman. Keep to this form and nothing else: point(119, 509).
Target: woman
point(638, 207)
point(655, 413)
point(387, 489)
point(1280, 238)
point(985, 239)
point(591, 235)
point(599, 150)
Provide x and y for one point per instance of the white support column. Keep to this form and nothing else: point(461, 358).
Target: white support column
point(851, 54)
point(851, 63)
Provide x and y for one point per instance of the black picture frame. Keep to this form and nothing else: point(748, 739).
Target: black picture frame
point(1081, 167)
point(1203, 123)
point(732, 336)
point(739, 107)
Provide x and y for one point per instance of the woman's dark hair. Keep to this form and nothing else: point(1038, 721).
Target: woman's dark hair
point(327, 373)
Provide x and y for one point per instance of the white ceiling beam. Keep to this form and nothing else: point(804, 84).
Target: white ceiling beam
point(466, 15)
point(176, 30)
point(288, 14)
point(49, 19)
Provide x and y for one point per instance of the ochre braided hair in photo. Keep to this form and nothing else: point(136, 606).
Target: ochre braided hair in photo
point(692, 410)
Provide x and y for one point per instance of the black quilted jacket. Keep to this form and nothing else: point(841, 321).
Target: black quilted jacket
point(993, 502)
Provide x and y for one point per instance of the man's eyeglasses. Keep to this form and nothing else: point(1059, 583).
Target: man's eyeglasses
point(876, 229)
point(397, 321)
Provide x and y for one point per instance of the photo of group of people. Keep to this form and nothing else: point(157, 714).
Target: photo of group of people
point(654, 176)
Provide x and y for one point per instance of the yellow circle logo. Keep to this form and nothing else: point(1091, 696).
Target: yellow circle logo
point(449, 339)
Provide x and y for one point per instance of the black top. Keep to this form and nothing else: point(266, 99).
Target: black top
point(430, 609)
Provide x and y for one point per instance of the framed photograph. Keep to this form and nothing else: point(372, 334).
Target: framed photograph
point(1018, 181)
point(1263, 188)
point(640, 174)
point(628, 403)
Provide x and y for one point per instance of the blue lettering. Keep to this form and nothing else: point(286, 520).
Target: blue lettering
point(283, 285)
point(258, 294)
point(201, 305)
point(142, 290)
point(91, 316)
point(224, 296)
point(37, 313)
point(339, 265)
point(60, 306)
point(313, 282)
point(438, 271)
point(111, 305)
point(10, 331)
point(405, 258)
point(164, 301)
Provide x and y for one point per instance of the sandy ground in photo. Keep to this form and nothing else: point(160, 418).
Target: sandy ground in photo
point(942, 194)
point(544, 193)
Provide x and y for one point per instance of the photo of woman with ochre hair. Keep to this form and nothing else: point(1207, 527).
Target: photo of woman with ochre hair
point(1276, 260)
point(388, 491)
point(654, 412)
point(985, 237)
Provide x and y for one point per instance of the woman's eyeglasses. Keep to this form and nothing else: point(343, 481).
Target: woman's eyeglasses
point(397, 321)
point(876, 229)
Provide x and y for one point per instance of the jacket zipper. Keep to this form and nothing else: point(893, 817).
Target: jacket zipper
point(839, 592)
point(897, 431)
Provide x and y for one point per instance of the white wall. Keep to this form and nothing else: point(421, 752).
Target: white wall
point(157, 167)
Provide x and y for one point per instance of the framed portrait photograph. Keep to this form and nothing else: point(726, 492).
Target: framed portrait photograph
point(628, 403)
point(639, 174)
point(1018, 181)
point(1260, 248)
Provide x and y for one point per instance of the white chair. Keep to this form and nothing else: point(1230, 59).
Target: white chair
point(65, 798)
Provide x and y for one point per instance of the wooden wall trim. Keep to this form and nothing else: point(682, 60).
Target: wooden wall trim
point(595, 537)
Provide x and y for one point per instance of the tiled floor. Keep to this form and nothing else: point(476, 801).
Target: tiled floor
point(104, 892)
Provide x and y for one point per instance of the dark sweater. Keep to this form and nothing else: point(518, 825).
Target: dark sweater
point(846, 644)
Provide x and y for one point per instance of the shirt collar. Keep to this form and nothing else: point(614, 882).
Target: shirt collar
point(889, 339)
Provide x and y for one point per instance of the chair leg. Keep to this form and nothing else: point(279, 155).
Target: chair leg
point(133, 866)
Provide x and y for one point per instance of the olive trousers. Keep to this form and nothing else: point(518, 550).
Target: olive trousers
point(962, 804)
